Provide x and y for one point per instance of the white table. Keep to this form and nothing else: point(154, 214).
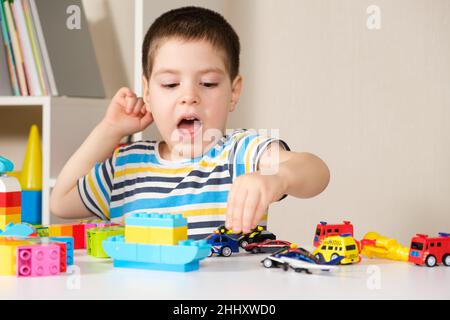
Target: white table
point(240, 276)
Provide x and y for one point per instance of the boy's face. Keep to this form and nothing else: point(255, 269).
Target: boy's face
point(190, 94)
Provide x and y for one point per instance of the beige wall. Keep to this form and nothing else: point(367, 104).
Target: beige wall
point(374, 104)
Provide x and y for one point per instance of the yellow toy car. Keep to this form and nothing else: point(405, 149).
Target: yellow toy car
point(338, 246)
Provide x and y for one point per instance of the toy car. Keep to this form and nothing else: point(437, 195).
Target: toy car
point(256, 235)
point(430, 251)
point(298, 259)
point(267, 246)
point(222, 244)
point(324, 230)
point(338, 246)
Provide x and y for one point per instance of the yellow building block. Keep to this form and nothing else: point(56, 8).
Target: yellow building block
point(155, 235)
point(54, 230)
point(7, 219)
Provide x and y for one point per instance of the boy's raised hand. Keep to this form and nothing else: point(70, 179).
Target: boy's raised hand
point(127, 114)
point(249, 199)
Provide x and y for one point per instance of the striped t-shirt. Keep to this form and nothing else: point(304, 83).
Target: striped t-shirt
point(136, 179)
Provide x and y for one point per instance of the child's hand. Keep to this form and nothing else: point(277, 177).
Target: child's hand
point(127, 114)
point(249, 199)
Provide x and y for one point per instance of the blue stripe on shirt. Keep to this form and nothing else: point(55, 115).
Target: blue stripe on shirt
point(173, 201)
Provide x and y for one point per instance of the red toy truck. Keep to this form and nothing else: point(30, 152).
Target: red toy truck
point(324, 230)
point(430, 251)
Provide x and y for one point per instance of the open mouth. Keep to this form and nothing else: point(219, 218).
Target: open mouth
point(189, 126)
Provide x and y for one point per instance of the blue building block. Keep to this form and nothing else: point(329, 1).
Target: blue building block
point(182, 257)
point(32, 206)
point(18, 229)
point(69, 247)
point(156, 220)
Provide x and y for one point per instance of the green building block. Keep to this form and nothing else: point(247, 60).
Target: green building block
point(95, 237)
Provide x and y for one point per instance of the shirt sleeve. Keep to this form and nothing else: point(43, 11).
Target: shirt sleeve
point(95, 188)
point(246, 150)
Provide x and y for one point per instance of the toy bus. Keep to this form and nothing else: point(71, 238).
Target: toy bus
point(430, 251)
point(324, 230)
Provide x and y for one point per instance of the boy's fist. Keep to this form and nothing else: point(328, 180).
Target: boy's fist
point(127, 114)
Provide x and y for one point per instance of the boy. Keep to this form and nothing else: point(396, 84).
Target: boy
point(191, 82)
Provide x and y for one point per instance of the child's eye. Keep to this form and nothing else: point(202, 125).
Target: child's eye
point(170, 85)
point(209, 84)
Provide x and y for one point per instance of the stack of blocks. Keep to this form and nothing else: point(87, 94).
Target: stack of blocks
point(10, 201)
point(153, 228)
point(156, 242)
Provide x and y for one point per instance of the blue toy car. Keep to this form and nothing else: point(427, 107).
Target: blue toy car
point(222, 244)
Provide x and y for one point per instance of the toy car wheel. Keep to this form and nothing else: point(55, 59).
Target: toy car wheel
point(226, 251)
point(285, 266)
point(268, 263)
point(334, 256)
point(319, 257)
point(211, 253)
point(446, 260)
point(431, 261)
point(243, 244)
point(255, 250)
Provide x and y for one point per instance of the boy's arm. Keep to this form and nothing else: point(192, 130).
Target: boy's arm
point(65, 201)
point(125, 115)
point(280, 172)
point(304, 175)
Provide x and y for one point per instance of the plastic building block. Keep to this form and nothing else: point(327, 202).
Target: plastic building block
point(430, 251)
point(156, 220)
point(31, 174)
point(19, 229)
point(32, 206)
point(182, 257)
point(62, 256)
point(8, 257)
point(5, 165)
point(42, 231)
point(378, 246)
point(155, 235)
point(69, 242)
point(324, 230)
point(79, 236)
point(95, 237)
point(10, 205)
point(38, 260)
point(10, 199)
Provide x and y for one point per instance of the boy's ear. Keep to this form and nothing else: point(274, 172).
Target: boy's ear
point(236, 88)
point(146, 92)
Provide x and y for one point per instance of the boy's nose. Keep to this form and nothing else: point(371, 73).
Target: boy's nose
point(190, 99)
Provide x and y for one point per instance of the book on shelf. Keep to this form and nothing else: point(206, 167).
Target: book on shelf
point(46, 50)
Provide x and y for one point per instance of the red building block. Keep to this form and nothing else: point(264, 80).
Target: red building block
point(79, 236)
point(62, 256)
point(10, 199)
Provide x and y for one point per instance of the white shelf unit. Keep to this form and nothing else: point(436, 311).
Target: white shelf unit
point(63, 123)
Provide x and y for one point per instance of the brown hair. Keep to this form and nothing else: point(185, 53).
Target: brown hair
point(192, 23)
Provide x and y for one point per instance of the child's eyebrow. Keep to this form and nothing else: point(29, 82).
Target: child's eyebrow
point(176, 72)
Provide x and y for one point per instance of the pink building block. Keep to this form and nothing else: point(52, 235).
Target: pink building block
point(38, 260)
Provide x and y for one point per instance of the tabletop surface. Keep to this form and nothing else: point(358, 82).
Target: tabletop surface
point(240, 276)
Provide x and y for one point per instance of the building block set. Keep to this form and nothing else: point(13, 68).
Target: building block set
point(10, 195)
point(170, 252)
point(160, 242)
